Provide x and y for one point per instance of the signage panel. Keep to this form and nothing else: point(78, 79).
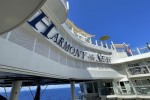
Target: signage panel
point(52, 35)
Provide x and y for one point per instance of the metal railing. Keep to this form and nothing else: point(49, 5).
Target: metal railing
point(144, 69)
point(125, 91)
point(143, 90)
point(89, 40)
point(116, 91)
point(106, 91)
point(140, 90)
point(123, 53)
point(136, 51)
point(65, 3)
point(140, 50)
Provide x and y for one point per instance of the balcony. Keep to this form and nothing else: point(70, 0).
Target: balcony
point(85, 37)
point(106, 91)
point(58, 8)
point(138, 71)
point(128, 90)
point(113, 93)
point(124, 53)
point(143, 90)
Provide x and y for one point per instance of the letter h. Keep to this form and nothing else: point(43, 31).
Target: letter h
point(39, 18)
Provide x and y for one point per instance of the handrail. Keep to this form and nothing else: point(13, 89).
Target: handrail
point(143, 90)
point(89, 40)
point(65, 3)
point(137, 70)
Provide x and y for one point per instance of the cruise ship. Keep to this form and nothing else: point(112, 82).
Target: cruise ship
point(40, 46)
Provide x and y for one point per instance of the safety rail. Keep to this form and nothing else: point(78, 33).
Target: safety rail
point(143, 90)
point(128, 90)
point(106, 91)
point(65, 3)
point(137, 70)
point(140, 50)
point(89, 39)
point(116, 91)
point(127, 52)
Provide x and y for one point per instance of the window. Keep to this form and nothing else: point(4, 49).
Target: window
point(138, 82)
point(95, 87)
point(144, 82)
point(148, 80)
point(89, 88)
point(134, 64)
point(82, 88)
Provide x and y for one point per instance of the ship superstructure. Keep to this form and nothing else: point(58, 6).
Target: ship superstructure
point(47, 48)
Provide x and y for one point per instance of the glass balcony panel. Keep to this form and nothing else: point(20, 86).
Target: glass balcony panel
point(138, 82)
point(143, 90)
point(144, 82)
point(144, 50)
point(138, 70)
point(82, 88)
point(89, 88)
point(95, 87)
point(148, 80)
point(134, 52)
point(144, 70)
point(127, 91)
point(106, 91)
point(149, 67)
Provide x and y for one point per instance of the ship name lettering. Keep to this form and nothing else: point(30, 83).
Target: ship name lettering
point(103, 59)
point(39, 19)
point(61, 42)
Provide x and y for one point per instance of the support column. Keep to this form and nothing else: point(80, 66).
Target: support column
point(38, 93)
point(15, 90)
point(72, 83)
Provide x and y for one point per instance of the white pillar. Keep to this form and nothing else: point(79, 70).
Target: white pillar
point(96, 42)
point(106, 45)
point(90, 41)
point(72, 30)
point(72, 83)
point(15, 90)
point(101, 44)
point(113, 46)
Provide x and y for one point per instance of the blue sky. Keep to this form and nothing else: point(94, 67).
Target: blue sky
point(123, 20)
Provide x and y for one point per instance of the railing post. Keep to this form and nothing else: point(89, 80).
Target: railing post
point(78, 35)
point(72, 30)
point(102, 44)
point(85, 39)
point(138, 50)
point(96, 42)
point(113, 46)
point(133, 86)
point(67, 3)
point(90, 41)
point(148, 69)
point(106, 45)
